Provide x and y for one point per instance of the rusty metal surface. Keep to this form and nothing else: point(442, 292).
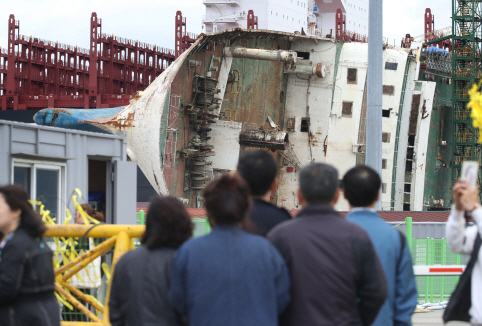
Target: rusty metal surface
point(271, 139)
point(318, 70)
point(159, 132)
point(286, 56)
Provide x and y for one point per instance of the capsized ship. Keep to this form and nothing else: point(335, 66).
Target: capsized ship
point(301, 97)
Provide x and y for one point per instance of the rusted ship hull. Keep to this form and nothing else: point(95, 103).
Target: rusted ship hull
point(186, 126)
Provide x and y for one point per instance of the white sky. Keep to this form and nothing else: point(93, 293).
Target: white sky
point(152, 21)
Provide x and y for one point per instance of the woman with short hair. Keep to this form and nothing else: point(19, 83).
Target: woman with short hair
point(26, 267)
point(141, 277)
point(229, 277)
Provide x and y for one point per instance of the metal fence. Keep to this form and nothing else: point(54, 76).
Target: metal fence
point(433, 252)
point(201, 225)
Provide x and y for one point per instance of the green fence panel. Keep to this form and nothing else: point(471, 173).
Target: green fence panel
point(201, 226)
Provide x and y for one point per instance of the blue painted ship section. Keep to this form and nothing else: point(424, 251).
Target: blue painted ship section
point(73, 118)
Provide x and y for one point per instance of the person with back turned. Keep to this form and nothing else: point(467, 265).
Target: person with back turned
point(361, 186)
point(229, 277)
point(258, 169)
point(142, 277)
point(333, 266)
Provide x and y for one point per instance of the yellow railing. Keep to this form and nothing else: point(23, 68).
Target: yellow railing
point(71, 263)
point(119, 237)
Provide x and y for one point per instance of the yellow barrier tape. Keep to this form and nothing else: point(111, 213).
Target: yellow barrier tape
point(106, 270)
point(62, 300)
point(67, 249)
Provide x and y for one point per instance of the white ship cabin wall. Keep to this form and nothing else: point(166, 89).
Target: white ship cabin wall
point(228, 14)
point(426, 90)
point(333, 106)
point(277, 15)
point(283, 15)
point(357, 16)
point(344, 118)
point(394, 64)
point(308, 101)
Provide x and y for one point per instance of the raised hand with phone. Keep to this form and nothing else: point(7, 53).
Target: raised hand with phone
point(465, 197)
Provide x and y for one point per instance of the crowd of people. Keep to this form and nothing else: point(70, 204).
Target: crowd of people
point(258, 266)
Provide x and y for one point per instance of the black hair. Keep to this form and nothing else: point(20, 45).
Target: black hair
point(227, 199)
point(17, 199)
point(318, 183)
point(361, 186)
point(168, 224)
point(259, 169)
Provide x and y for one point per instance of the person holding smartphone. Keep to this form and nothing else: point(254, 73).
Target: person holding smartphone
point(465, 238)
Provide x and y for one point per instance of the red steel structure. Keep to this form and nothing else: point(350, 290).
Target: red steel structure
point(430, 34)
point(252, 20)
point(36, 73)
point(342, 33)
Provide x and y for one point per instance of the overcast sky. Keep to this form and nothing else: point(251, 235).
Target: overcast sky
point(152, 21)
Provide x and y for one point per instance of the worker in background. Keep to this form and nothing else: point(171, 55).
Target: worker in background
point(361, 186)
point(332, 263)
point(26, 270)
point(229, 277)
point(89, 210)
point(141, 280)
point(466, 301)
point(258, 169)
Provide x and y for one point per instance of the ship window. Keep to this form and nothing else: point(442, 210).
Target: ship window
point(291, 124)
point(384, 163)
point(347, 109)
point(391, 65)
point(305, 123)
point(388, 89)
point(351, 76)
point(408, 166)
point(411, 140)
point(410, 153)
point(384, 188)
point(385, 137)
point(386, 113)
point(303, 55)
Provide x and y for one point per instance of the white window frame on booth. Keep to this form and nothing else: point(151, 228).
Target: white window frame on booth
point(34, 165)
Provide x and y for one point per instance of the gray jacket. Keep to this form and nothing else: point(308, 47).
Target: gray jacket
point(139, 290)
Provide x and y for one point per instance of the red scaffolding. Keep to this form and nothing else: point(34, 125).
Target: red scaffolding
point(36, 73)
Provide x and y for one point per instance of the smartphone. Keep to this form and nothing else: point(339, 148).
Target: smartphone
point(470, 171)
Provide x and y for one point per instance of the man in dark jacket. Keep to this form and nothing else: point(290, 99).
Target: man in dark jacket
point(259, 170)
point(361, 187)
point(336, 277)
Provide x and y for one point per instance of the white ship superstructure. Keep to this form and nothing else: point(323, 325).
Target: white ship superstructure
point(314, 17)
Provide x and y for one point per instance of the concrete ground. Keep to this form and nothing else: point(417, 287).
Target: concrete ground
point(432, 318)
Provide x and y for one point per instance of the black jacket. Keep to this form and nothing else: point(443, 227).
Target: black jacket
point(332, 262)
point(27, 283)
point(265, 216)
point(140, 288)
